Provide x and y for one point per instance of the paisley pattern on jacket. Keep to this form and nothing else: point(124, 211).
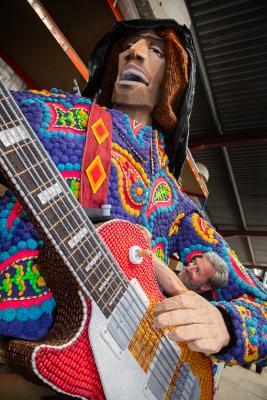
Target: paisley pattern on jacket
point(141, 190)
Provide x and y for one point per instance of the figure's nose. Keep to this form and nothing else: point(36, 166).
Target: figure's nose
point(137, 50)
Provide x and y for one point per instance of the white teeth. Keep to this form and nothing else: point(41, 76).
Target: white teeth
point(129, 73)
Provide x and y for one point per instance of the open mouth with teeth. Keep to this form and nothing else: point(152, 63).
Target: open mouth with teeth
point(130, 75)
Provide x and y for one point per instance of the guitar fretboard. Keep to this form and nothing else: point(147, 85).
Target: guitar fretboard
point(44, 192)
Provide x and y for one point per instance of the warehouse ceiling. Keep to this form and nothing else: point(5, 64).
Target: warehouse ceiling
point(228, 130)
point(230, 110)
point(31, 49)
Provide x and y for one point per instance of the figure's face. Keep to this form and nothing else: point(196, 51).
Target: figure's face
point(196, 274)
point(140, 71)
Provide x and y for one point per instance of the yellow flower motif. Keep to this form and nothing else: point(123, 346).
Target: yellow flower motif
point(203, 229)
point(128, 170)
point(41, 282)
point(47, 93)
point(23, 289)
point(35, 268)
point(84, 123)
point(243, 312)
point(175, 225)
point(139, 191)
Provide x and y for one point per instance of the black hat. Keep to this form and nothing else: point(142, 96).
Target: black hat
point(179, 140)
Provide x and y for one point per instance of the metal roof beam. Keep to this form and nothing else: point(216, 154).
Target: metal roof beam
point(213, 108)
point(250, 266)
point(204, 143)
point(242, 232)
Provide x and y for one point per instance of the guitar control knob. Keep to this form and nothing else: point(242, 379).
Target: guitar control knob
point(134, 255)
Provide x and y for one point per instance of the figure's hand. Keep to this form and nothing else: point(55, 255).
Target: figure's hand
point(194, 320)
point(167, 279)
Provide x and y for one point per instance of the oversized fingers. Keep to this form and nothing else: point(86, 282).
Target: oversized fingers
point(192, 319)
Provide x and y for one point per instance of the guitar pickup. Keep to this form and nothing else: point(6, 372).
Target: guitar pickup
point(162, 370)
point(187, 385)
point(125, 319)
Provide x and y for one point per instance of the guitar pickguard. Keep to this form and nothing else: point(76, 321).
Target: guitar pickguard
point(119, 359)
point(81, 263)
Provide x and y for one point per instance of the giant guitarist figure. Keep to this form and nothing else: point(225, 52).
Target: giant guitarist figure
point(129, 156)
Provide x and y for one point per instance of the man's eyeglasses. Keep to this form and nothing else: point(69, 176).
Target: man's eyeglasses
point(194, 259)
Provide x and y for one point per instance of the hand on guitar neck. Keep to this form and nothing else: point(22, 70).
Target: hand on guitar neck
point(167, 279)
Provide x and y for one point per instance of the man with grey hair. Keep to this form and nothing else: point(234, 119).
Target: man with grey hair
point(204, 273)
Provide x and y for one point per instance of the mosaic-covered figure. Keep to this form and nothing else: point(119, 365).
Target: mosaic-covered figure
point(141, 189)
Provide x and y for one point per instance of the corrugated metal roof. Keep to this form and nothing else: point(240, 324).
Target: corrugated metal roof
point(249, 164)
point(221, 204)
point(240, 246)
point(232, 37)
point(259, 246)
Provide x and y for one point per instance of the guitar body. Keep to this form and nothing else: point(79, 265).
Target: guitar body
point(102, 343)
point(78, 366)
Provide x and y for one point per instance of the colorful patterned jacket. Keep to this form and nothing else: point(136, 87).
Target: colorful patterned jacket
point(141, 190)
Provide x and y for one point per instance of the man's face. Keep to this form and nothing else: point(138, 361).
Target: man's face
point(196, 274)
point(140, 70)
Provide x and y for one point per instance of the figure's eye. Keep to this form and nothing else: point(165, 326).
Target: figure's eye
point(157, 51)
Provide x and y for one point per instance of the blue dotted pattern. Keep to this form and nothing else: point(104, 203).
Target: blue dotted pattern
point(66, 149)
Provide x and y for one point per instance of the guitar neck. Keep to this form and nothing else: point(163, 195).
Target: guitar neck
point(44, 192)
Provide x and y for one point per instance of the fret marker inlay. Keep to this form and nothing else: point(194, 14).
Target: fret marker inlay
point(116, 294)
point(50, 193)
point(60, 217)
point(93, 261)
point(106, 281)
point(14, 135)
point(78, 237)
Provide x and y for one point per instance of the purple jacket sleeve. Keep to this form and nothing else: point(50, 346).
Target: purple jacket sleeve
point(243, 299)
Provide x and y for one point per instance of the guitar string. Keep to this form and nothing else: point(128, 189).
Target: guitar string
point(115, 271)
point(132, 297)
point(140, 349)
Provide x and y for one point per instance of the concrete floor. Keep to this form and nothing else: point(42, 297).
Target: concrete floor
point(238, 383)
